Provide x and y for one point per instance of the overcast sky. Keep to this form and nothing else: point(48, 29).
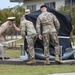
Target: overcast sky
point(7, 4)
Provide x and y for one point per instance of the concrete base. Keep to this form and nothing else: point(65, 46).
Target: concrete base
point(18, 61)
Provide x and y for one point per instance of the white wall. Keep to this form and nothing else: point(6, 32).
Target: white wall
point(58, 3)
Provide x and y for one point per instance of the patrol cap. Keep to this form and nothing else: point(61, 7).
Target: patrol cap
point(11, 19)
point(27, 11)
point(43, 6)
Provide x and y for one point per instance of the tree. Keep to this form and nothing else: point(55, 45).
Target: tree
point(70, 12)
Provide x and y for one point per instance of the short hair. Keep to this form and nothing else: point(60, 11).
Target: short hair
point(43, 6)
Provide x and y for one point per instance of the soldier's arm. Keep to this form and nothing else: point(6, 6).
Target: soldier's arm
point(56, 23)
point(16, 28)
point(23, 29)
point(38, 25)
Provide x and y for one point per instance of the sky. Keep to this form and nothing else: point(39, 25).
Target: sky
point(7, 4)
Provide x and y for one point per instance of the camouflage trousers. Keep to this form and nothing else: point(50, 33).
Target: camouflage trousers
point(31, 41)
point(1, 41)
point(55, 40)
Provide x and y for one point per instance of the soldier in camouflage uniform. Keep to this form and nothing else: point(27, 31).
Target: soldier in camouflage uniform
point(5, 27)
point(28, 27)
point(50, 26)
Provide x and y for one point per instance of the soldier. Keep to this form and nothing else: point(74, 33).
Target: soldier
point(28, 27)
point(5, 27)
point(50, 26)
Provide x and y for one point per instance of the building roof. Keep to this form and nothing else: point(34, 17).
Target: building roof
point(20, 0)
point(16, 0)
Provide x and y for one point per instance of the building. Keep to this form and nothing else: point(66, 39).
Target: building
point(35, 4)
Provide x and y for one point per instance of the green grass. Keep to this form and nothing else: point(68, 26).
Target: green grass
point(34, 70)
point(12, 53)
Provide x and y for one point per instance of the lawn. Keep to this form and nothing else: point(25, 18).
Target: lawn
point(34, 70)
point(31, 70)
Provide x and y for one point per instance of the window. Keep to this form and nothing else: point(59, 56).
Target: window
point(51, 4)
point(69, 3)
point(32, 7)
point(73, 2)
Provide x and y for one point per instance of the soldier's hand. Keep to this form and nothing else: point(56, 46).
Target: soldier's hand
point(55, 32)
point(40, 37)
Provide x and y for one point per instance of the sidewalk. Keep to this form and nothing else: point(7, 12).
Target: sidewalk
point(63, 74)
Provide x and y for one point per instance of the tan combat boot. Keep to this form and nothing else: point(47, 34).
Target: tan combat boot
point(57, 59)
point(31, 61)
point(47, 62)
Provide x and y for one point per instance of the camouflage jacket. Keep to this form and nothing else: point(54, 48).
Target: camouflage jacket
point(27, 27)
point(48, 21)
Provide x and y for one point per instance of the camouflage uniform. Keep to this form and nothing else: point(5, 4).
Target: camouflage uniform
point(50, 26)
point(27, 26)
point(3, 29)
